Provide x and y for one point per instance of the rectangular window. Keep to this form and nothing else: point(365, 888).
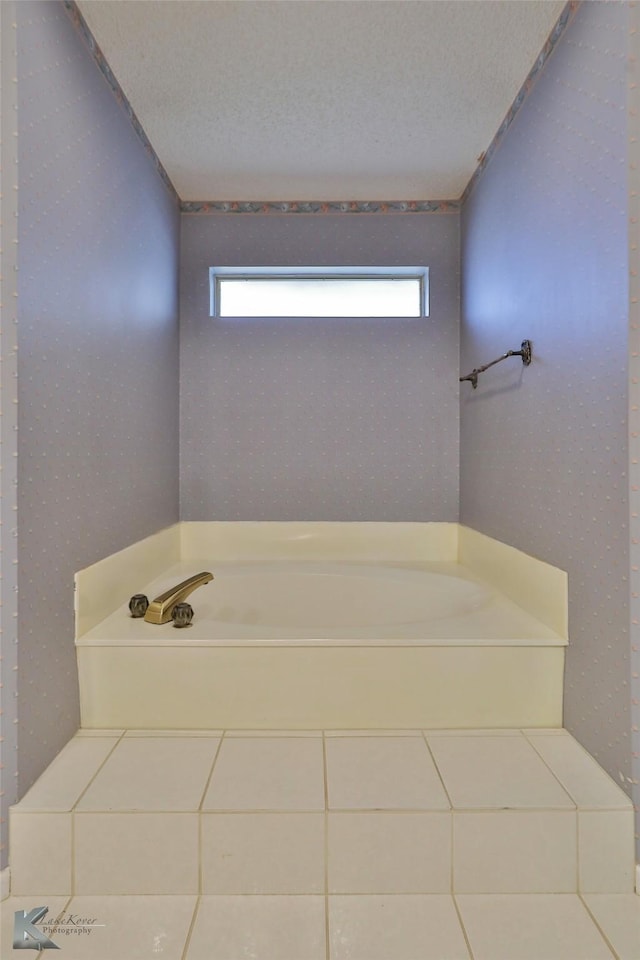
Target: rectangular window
point(319, 291)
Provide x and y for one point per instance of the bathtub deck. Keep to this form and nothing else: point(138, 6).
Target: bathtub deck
point(378, 844)
point(492, 666)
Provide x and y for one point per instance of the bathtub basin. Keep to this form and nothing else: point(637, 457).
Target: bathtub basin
point(337, 599)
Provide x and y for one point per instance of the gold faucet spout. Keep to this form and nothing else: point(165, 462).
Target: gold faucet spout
point(160, 609)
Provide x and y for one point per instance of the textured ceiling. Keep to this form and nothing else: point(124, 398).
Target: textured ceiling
point(320, 99)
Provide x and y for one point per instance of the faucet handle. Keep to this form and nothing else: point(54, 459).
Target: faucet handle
point(182, 615)
point(138, 605)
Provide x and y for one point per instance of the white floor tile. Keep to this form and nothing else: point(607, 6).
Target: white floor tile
point(280, 773)
point(389, 853)
point(277, 853)
point(96, 732)
point(495, 773)
point(55, 905)
point(584, 779)
point(110, 928)
point(173, 733)
point(478, 732)
point(136, 853)
point(373, 733)
point(606, 851)
point(153, 773)
point(274, 733)
point(382, 773)
point(62, 783)
point(259, 928)
point(40, 852)
point(515, 851)
point(618, 916)
point(395, 928)
point(389, 846)
point(530, 927)
point(546, 732)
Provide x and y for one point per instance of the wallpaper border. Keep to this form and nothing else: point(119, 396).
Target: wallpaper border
point(563, 21)
point(101, 62)
point(319, 206)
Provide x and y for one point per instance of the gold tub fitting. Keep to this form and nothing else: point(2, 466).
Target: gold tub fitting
point(160, 609)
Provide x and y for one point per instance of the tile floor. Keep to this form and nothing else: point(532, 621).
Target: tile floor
point(373, 927)
point(347, 845)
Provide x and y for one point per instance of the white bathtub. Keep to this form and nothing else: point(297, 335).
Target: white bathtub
point(310, 640)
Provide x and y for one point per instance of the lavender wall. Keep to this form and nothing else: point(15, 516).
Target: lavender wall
point(544, 449)
point(98, 356)
point(8, 420)
point(319, 419)
point(633, 134)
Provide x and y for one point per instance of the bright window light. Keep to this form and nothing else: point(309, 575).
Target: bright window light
point(319, 292)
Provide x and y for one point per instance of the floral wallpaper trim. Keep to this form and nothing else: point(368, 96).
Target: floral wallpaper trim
point(90, 42)
point(320, 206)
point(562, 23)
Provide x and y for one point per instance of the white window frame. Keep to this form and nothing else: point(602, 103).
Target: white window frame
point(216, 274)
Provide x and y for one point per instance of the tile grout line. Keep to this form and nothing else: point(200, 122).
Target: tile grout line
point(574, 802)
point(578, 809)
point(456, 907)
point(597, 926)
point(578, 850)
point(327, 946)
point(391, 811)
point(199, 811)
point(73, 854)
point(187, 942)
point(452, 854)
point(73, 811)
point(344, 893)
point(99, 770)
point(283, 811)
point(588, 756)
point(440, 777)
point(552, 772)
point(65, 908)
point(495, 809)
point(210, 775)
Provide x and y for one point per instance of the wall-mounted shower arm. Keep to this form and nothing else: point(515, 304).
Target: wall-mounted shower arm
point(524, 352)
